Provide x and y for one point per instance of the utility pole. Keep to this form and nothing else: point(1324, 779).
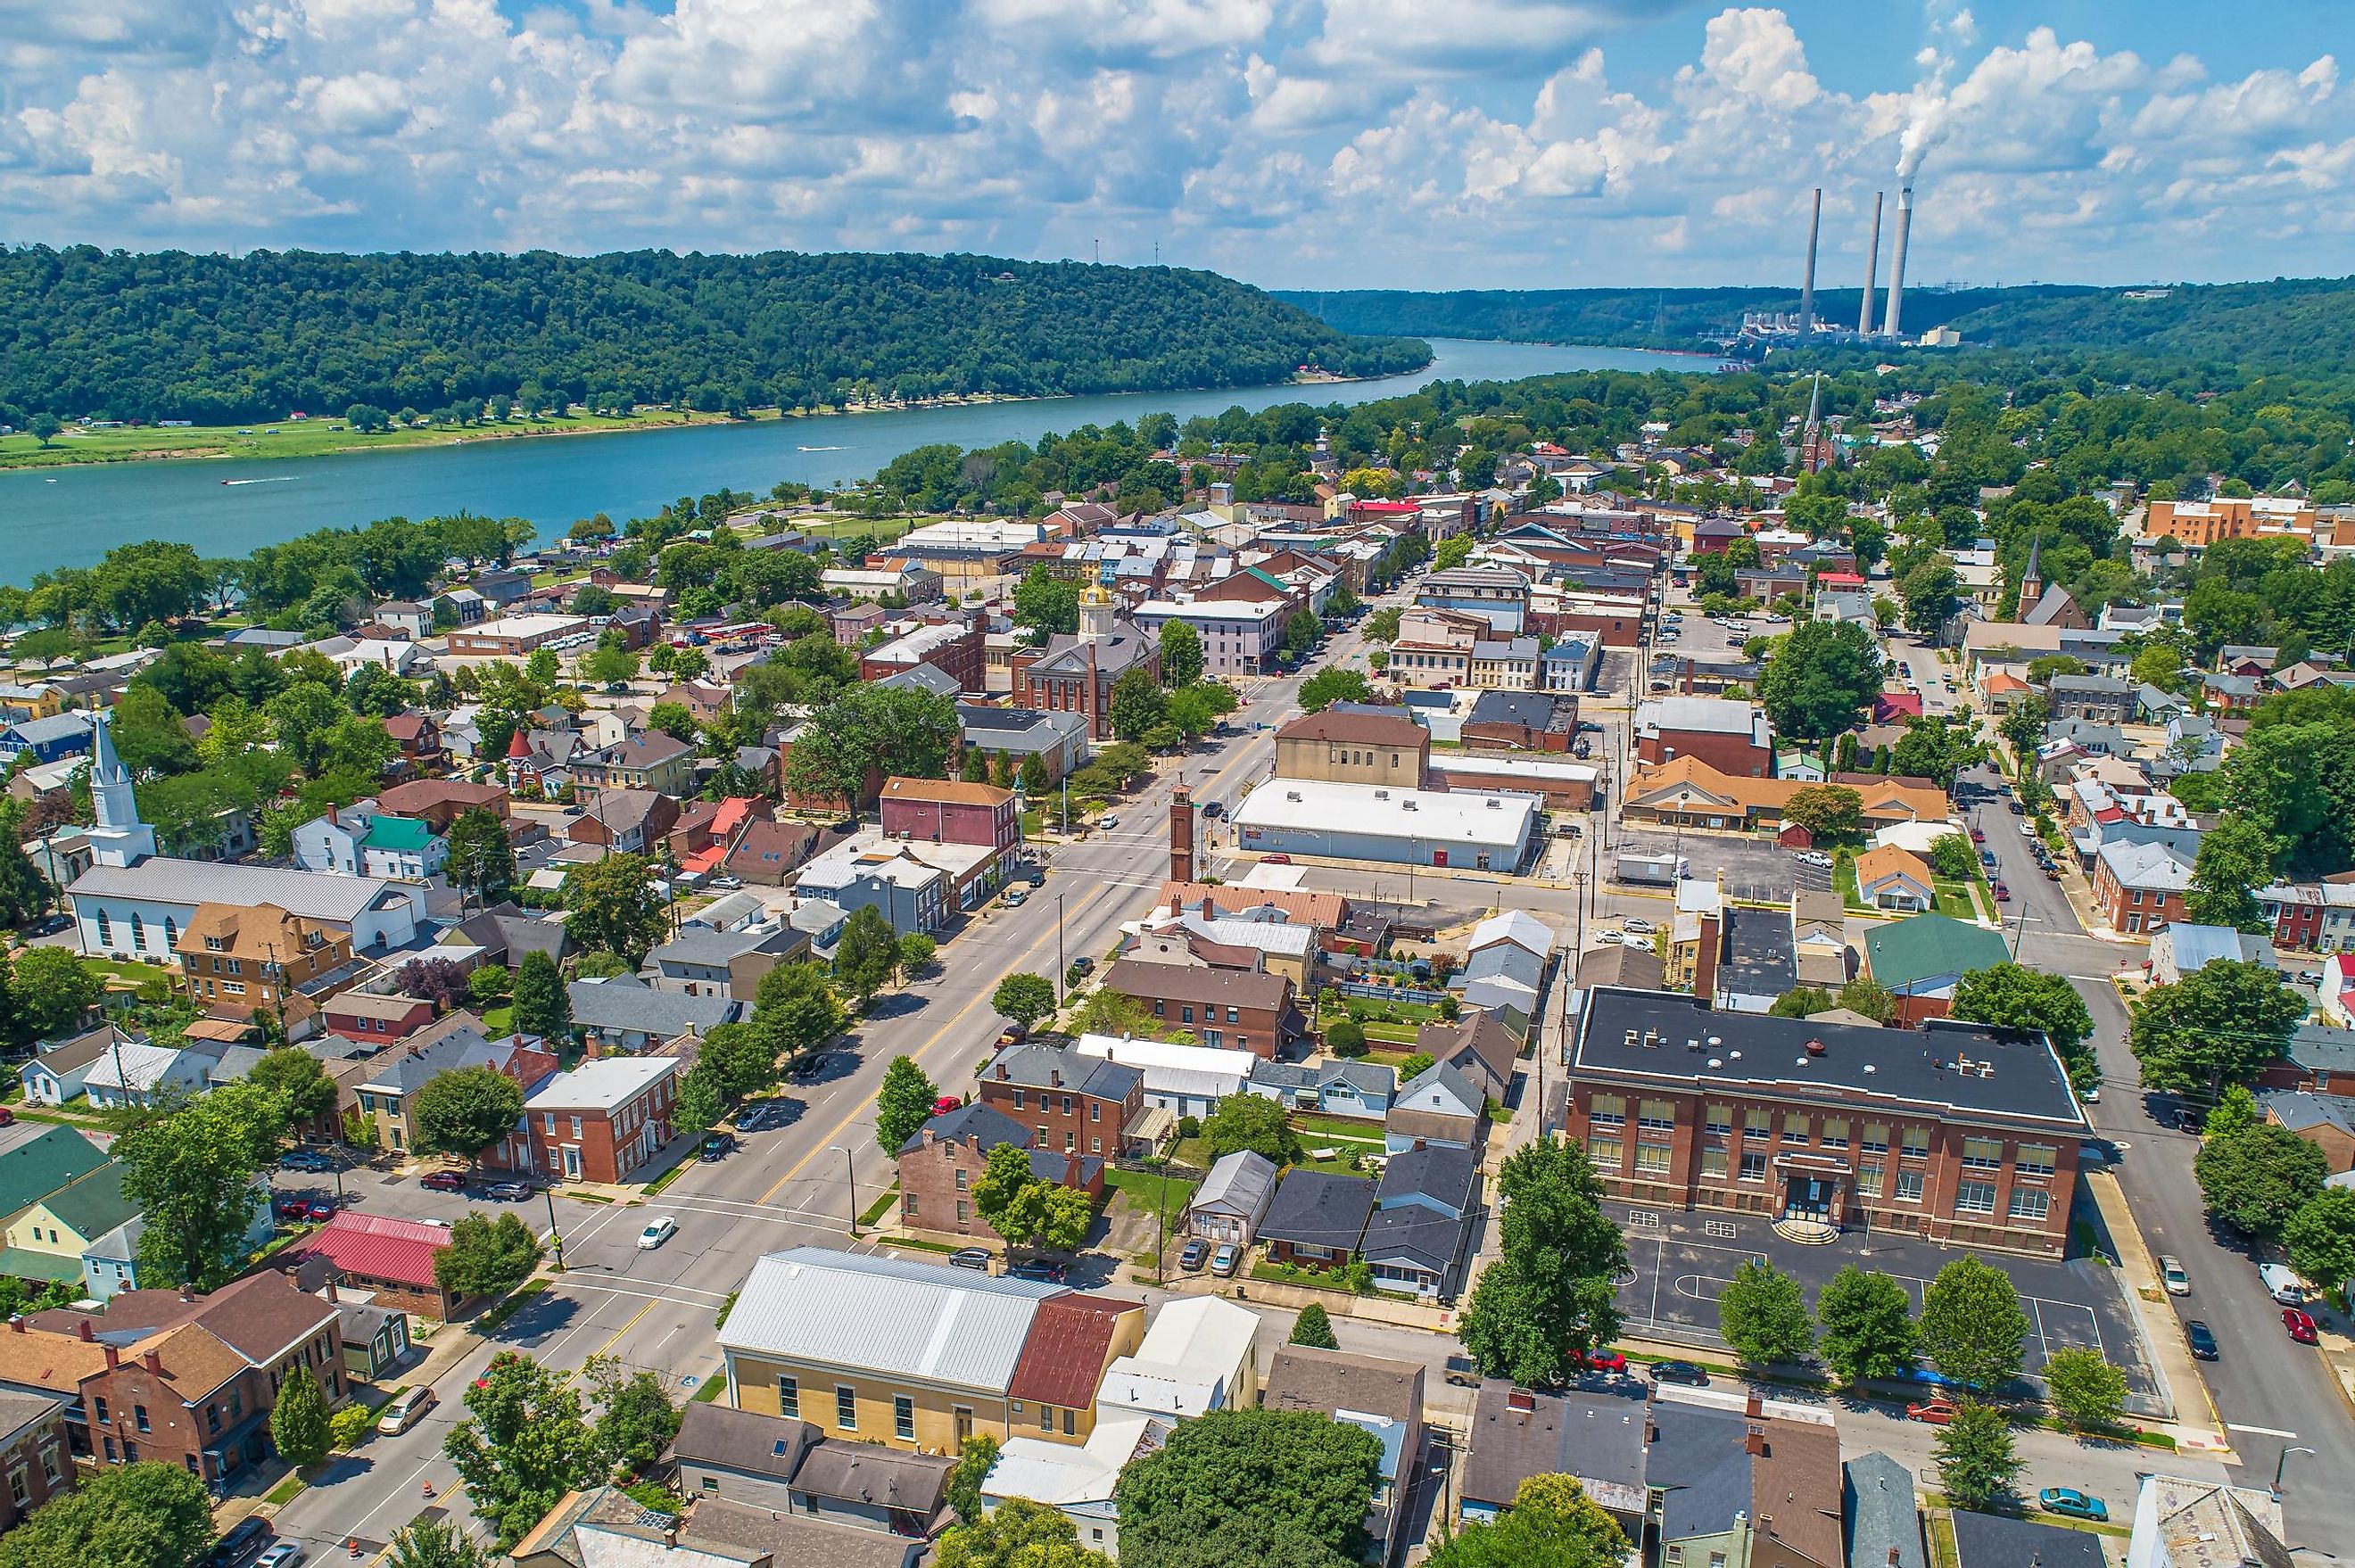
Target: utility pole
point(554, 1237)
point(1062, 969)
point(850, 1174)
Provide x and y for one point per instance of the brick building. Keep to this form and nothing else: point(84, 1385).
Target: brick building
point(599, 1122)
point(1732, 737)
point(952, 646)
point(1224, 1008)
point(32, 1452)
point(1076, 674)
point(2139, 888)
point(391, 1259)
point(1950, 1131)
point(1352, 743)
point(947, 811)
point(1072, 1103)
point(940, 1165)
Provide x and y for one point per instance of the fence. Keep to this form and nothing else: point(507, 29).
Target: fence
point(1388, 992)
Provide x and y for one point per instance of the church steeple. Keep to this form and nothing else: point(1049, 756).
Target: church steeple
point(117, 837)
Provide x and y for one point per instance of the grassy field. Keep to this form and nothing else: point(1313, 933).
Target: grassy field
point(311, 438)
point(1145, 1189)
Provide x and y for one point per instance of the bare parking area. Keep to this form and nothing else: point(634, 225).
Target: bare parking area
point(1754, 869)
point(1682, 1260)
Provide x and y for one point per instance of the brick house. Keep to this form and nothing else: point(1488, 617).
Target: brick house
point(241, 960)
point(1072, 1103)
point(2139, 888)
point(939, 1167)
point(953, 647)
point(372, 1019)
point(32, 1452)
point(1733, 737)
point(391, 1259)
point(438, 800)
point(600, 1121)
point(1226, 1009)
point(947, 811)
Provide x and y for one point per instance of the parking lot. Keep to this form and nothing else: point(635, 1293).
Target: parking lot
point(1682, 1260)
point(1757, 870)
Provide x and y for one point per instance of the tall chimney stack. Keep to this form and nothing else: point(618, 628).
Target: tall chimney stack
point(1181, 836)
point(1808, 280)
point(1897, 264)
point(1871, 271)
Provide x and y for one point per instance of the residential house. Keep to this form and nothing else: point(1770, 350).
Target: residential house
point(1232, 1199)
point(376, 1338)
point(1879, 1516)
point(439, 802)
point(1198, 1355)
point(59, 1072)
point(948, 811)
point(1920, 961)
point(420, 739)
point(2326, 1121)
point(913, 885)
point(1316, 1219)
point(604, 1121)
point(373, 1018)
point(1893, 878)
point(2005, 1540)
point(46, 740)
point(703, 961)
point(1504, 977)
point(1225, 1008)
point(241, 961)
point(1475, 1045)
point(1690, 793)
point(2097, 699)
point(1424, 1214)
point(143, 1073)
point(401, 848)
point(768, 853)
point(2140, 888)
point(1440, 1106)
point(1078, 1483)
point(625, 821)
point(2314, 917)
point(1333, 1086)
point(47, 1237)
point(331, 841)
point(387, 1094)
point(1179, 1080)
point(1352, 743)
point(789, 1466)
point(1071, 1101)
point(1379, 1396)
point(624, 1013)
point(1058, 739)
point(940, 1165)
point(2183, 1523)
point(389, 1259)
point(32, 1452)
point(2183, 948)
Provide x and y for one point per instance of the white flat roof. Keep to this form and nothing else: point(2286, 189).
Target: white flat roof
point(601, 1084)
point(1457, 817)
point(1144, 1053)
point(1509, 766)
point(520, 625)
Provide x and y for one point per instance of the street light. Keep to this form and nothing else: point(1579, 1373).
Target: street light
point(850, 1174)
point(2279, 1462)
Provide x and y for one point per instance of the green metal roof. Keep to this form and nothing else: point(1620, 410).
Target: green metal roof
point(95, 1204)
point(1906, 952)
point(34, 1170)
point(400, 834)
point(24, 1262)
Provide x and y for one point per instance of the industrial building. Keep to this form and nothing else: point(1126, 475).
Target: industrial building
point(1476, 829)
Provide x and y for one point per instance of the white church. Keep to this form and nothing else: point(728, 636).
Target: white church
point(132, 902)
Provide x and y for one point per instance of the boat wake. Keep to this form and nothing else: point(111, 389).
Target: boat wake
point(274, 479)
point(817, 449)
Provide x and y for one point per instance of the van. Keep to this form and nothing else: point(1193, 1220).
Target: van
point(2281, 1285)
point(2171, 1274)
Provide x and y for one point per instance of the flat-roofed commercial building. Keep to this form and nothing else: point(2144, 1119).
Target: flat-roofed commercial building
point(513, 636)
point(1951, 1132)
point(1474, 830)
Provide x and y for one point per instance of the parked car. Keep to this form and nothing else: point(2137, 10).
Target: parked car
point(2281, 1285)
point(2309, 976)
point(279, 1554)
point(1038, 1271)
point(1814, 858)
point(1638, 925)
point(407, 1407)
point(304, 1159)
point(2299, 1325)
point(243, 1538)
point(1084, 964)
point(1016, 898)
point(2172, 1275)
point(975, 1258)
point(2071, 1503)
point(1935, 1411)
point(760, 1117)
point(946, 1104)
point(1604, 1362)
point(1986, 859)
point(1462, 1371)
point(443, 1180)
point(1012, 1034)
point(293, 1210)
point(657, 1232)
point(1190, 1255)
point(319, 1211)
point(2188, 1120)
point(1978, 835)
point(2204, 1341)
point(1224, 1262)
point(1679, 1372)
point(2028, 829)
point(2002, 894)
point(1213, 811)
point(507, 1192)
point(1276, 860)
point(716, 1147)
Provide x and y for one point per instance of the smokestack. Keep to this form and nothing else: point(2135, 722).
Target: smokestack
point(1808, 280)
point(1872, 272)
point(1897, 264)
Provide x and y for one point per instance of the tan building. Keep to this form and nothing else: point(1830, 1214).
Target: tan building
point(2196, 524)
point(919, 1355)
point(1354, 744)
point(238, 961)
point(513, 637)
point(1434, 648)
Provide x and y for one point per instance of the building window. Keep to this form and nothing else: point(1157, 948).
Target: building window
point(1982, 1154)
point(1017, 1099)
point(1909, 1187)
point(1659, 1115)
point(1876, 1137)
point(960, 1177)
point(1604, 1151)
point(1095, 1110)
point(1607, 1111)
point(1755, 1124)
point(789, 1396)
point(1914, 1143)
point(105, 939)
point(1868, 1180)
point(1651, 1160)
point(1794, 1129)
point(903, 1417)
point(2034, 1159)
point(1836, 1132)
point(1717, 1121)
point(845, 1407)
point(99, 1402)
point(1712, 1163)
point(1046, 1418)
point(19, 1487)
point(1975, 1198)
point(1753, 1168)
point(139, 1418)
point(2031, 1203)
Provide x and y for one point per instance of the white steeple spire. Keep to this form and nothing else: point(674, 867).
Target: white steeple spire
point(117, 837)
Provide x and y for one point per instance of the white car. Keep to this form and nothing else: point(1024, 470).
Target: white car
point(280, 1554)
point(2027, 828)
point(1638, 926)
point(656, 1232)
point(1813, 858)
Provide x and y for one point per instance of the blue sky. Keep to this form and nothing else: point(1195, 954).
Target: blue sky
point(1421, 144)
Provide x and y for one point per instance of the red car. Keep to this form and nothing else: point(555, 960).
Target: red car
point(2300, 1326)
point(946, 1104)
point(1604, 1361)
point(1978, 835)
point(443, 1180)
point(1276, 860)
point(1935, 1411)
point(2002, 894)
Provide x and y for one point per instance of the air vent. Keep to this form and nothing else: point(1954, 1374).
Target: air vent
point(1868, 1067)
point(1816, 1048)
point(1381, 794)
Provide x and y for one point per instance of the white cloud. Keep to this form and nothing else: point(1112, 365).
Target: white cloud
point(1325, 141)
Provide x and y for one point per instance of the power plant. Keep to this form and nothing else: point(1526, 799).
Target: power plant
point(1897, 261)
point(1872, 272)
point(1807, 282)
point(1787, 329)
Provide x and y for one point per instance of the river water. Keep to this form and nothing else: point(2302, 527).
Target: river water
point(224, 507)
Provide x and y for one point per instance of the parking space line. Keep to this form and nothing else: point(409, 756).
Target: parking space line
point(2260, 1431)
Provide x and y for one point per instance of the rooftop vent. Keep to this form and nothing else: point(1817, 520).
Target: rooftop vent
point(1292, 795)
point(1716, 1061)
point(1409, 806)
point(1692, 1045)
point(1381, 794)
point(1734, 1055)
point(1816, 1048)
point(1868, 1067)
point(1631, 1037)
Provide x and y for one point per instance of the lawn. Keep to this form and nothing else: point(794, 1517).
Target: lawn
point(1147, 1190)
point(1843, 882)
point(311, 438)
point(499, 1021)
point(1955, 898)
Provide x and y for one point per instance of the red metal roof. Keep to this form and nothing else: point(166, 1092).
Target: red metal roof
point(374, 1246)
point(1070, 1345)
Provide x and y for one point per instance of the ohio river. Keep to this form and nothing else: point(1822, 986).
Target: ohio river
point(70, 517)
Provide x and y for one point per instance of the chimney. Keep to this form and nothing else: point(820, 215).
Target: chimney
point(1872, 272)
point(332, 1296)
point(1181, 835)
point(1897, 264)
point(1807, 279)
point(1755, 1408)
point(1071, 1176)
point(81, 1328)
point(670, 1538)
point(1753, 1443)
point(17, 1323)
point(1054, 1078)
point(331, 813)
point(1002, 1073)
point(113, 1357)
point(153, 1361)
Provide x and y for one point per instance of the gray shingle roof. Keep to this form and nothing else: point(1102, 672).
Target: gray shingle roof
point(1036, 1066)
point(627, 1002)
point(1318, 1209)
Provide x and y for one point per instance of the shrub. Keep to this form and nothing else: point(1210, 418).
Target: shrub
point(349, 1427)
point(1345, 1038)
point(1189, 1127)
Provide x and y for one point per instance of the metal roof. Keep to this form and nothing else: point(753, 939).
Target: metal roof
point(892, 1317)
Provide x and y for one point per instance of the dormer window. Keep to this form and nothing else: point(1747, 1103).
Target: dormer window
point(215, 944)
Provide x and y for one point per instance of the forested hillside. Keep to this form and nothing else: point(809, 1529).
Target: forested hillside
point(217, 339)
point(2287, 324)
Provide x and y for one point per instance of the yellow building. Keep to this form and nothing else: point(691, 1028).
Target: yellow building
point(919, 1355)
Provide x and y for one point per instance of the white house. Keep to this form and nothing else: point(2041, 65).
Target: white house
point(1232, 1199)
point(1184, 1080)
point(135, 1073)
point(1076, 1482)
point(332, 842)
point(61, 1071)
point(1201, 1354)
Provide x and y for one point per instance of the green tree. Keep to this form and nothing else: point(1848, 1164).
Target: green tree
point(701, 1102)
point(1868, 1322)
point(146, 1515)
point(481, 859)
point(1026, 998)
point(1248, 1486)
point(464, 1111)
point(1138, 703)
point(975, 1460)
point(1018, 1534)
point(298, 1421)
point(612, 661)
point(2024, 725)
point(1549, 1295)
point(863, 734)
point(1314, 1329)
point(1972, 1327)
point(1414, 1067)
point(2236, 857)
point(1950, 856)
point(903, 1105)
point(486, 1256)
point(2320, 1238)
point(1049, 605)
point(2087, 1391)
point(435, 1543)
point(674, 719)
point(1929, 591)
point(51, 992)
point(542, 1005)
point(1830, 813)
point(612, 904)
point(1028, 1209)
point(917, 952)
point(794, 1010)
point(1976, 1463)
point(524, 1444)
point(1552, 1524)
point(1761, 1315)
point(298, 1081)
point(2235, 1108)
point(192, 1172)
point(1250, 1122)
point(1819, 678)
point(636, 1417)
point(24, 896)
point(1802, 1002)
point(1344, 1037)
point(2223, 1023)
point(2257, 1176)
point(2023, 1001)
point(1181, 655)
point(1334, 684)
point(867, 953)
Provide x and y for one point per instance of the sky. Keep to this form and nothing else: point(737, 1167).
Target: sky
point(1294, 143)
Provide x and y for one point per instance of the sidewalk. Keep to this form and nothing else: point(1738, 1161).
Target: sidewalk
point(2198, 1428)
